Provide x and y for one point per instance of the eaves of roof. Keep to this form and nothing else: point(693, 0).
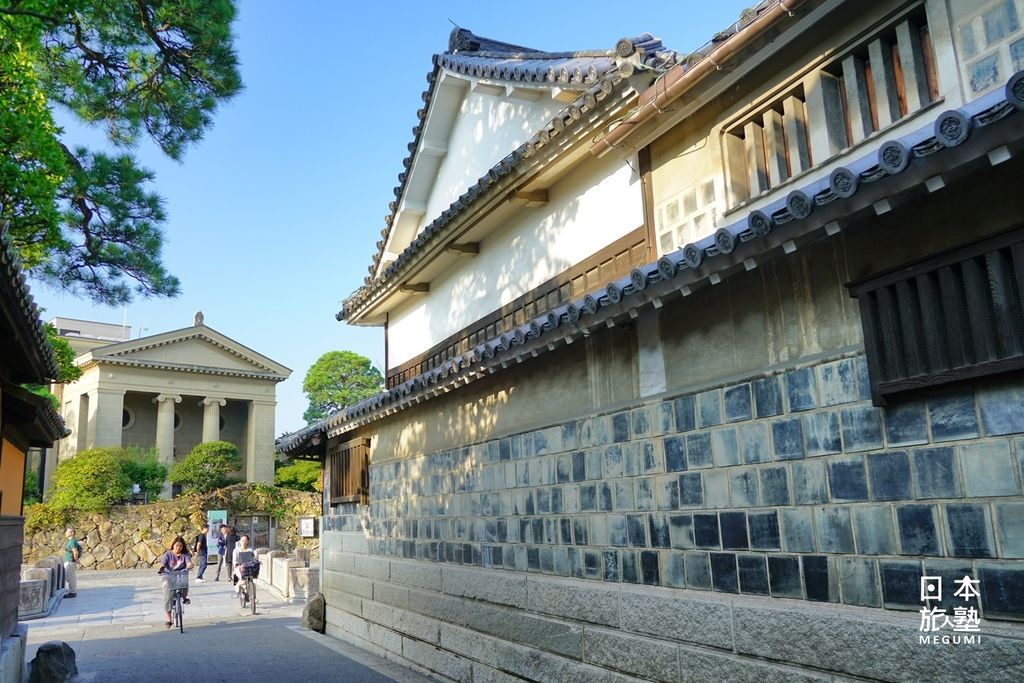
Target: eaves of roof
point(596, 74)
point(34, 416)
point(982, 128)
point(180, 367)
point(38, 364)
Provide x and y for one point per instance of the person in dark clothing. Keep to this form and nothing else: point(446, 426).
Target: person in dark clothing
point(201, 550)
point(226, 547)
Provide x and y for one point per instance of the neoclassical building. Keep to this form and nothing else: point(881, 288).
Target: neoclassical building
point(172, 391)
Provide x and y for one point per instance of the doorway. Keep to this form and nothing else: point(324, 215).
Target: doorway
point(259, 529)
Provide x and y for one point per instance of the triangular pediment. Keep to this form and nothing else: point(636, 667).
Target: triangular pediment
point(199, 348)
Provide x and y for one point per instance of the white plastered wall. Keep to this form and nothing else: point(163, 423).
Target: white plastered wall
point(589, 209)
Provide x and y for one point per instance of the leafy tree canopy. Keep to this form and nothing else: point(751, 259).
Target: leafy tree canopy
point(88, 221)
point(338, 379)
point(301, 475)
point(208, 466)
point(97, 478)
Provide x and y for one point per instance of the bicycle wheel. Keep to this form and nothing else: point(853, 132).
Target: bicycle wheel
point(178, 613)
point(252, 594)
point(241, 594)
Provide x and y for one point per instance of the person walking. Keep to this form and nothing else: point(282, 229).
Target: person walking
point(225, 546)
point(200, 547)
point(72, 556)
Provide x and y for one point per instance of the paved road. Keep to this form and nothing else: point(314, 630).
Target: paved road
point(116, 627)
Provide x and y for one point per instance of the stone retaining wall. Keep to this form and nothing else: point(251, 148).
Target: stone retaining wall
point(135, 536)
point(473, 624)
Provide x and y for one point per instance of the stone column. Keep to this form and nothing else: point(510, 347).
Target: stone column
point(165, 433)
point(211, 417)
point(259, 442)
point(107, 405)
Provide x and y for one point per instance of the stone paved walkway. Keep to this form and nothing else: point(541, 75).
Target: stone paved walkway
point(116, 627)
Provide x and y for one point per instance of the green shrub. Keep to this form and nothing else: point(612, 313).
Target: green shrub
point(144, 469)
point(301, 475)
point(31, 487)
point(91, 481)
point(208, 466)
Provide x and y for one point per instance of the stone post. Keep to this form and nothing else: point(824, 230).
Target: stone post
point(165, 433)
point(211, 417)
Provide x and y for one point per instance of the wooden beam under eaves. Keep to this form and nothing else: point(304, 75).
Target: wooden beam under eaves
point(532, 197)
point(415, 287)
point(469, 248)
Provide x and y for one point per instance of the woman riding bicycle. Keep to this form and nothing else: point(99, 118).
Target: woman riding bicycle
point(175, 559)
point(242, 554)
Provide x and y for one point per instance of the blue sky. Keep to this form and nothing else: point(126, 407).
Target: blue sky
point(273, 217)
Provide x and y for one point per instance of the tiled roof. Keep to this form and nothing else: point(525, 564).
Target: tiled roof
point(702, 261)
point(24, 316)
point(595, 73)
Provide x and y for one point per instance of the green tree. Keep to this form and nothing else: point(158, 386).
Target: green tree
point(301, 475)
point(144, 468)
point(88, 221)
point(91, 481)
point(208, 466)
point(31, 487)
point(338, 379)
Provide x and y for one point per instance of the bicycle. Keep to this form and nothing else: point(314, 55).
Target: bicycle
point(177, 584)
point(247, 586)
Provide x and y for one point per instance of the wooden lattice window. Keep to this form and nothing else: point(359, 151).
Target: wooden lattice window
point(348, 470)
point(953, 316)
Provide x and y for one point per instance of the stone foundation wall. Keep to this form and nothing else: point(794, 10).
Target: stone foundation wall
point(781, 517)
point(134, 536)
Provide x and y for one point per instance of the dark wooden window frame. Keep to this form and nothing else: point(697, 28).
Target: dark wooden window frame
point(348, 471)
point(949, 317)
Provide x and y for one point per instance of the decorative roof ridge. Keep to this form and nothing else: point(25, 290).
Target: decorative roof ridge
point(14, 285)
point(641, 58)
point(949, 129)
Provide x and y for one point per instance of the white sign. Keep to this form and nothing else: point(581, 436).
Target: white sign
point(307, 527)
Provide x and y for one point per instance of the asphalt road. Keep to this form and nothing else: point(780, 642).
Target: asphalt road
point(116, 627)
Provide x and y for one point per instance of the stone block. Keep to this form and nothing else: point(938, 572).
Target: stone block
point(801, 390)
point(988, 469)
point(384, 638)
point(691, 490)
point(433, 658)
point(788, 439)
point(675, 453)
point(969, 531)
point(810, 485)
point(936, 473)
point(774, 486)
point(621, 423)
point(1010, 528)
point(737, 403)
point(680, 529)
point(821, 432)
point(54, 663)
point(754, 442)
point(952, 416)
point(797, 530)
point(596, 604)
point(705, 530)
point(716, 489)
point(847, 479)
point(821, 582)
point(1002, 408)
point(859, 580)
point(709, 408)
point(636, 530)
point(701, 666)
point(918, 530)
point(906, 424)
point(837, 382)
point(767, 396)
point(666, 613)
point(950, 571)
point(485, 585)
point(889, 475)
point(33, 597)
point(835, 532)
point(346, 583)
point(784, 576)
point(391, 594)
point(809, 636)
point(874, 530)
point(725, 449)
point(684, 409)
point(734, 530)
point(862, 428)
point(658, 531)
point(639, 656)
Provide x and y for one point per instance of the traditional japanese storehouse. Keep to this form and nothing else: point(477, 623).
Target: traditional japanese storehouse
point(700, 367)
